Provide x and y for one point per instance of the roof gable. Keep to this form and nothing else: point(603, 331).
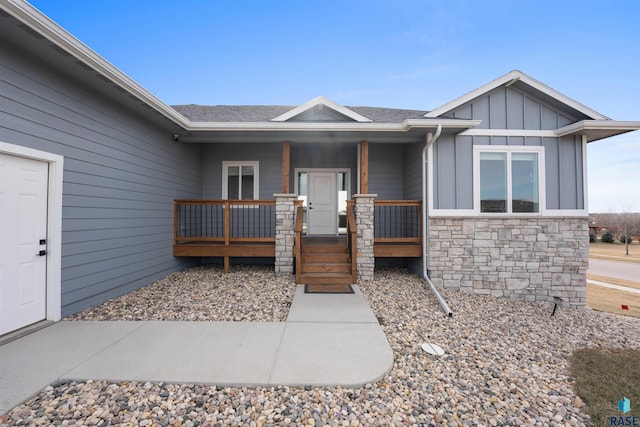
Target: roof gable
point(520, 78)
point(321, 109)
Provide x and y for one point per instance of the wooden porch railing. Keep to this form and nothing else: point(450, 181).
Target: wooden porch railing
point(398, 228)
point(227, 228)
point(352, 234)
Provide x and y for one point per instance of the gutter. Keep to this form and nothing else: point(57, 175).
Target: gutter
point(406, 126)
point(425, 223)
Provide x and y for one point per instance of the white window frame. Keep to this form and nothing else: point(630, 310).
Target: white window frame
point(509, 150)
point(256, 177)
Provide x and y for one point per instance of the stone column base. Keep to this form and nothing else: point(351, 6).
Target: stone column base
point(285, 236)
point(364, 210)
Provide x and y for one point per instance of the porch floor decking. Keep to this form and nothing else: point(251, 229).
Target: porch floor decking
point(267, 249)
point(217, 249)
point(397, 250)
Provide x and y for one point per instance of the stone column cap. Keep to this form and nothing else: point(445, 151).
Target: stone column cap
point(285, 195)
point(372, 196)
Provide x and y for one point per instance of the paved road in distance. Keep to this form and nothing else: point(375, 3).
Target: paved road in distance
point(616, 269)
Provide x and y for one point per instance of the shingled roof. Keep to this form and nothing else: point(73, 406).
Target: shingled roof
point(264, 113)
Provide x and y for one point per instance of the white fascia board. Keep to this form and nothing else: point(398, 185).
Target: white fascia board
point(332, 126)
point(584, 125)
point(507, 80)
point(293, 126)
point(321, 100)
point(445, 123)
point(37, 21)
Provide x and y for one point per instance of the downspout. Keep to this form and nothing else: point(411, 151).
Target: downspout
point(425, 221)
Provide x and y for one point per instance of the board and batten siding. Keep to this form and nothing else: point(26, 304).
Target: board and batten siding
point(121, 175)
point(507, 108)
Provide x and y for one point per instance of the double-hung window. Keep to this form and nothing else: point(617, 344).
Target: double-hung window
point(509, 179)
point(240, 180)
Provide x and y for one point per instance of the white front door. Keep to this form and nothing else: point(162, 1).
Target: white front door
point(23, 233)
point(323, 203)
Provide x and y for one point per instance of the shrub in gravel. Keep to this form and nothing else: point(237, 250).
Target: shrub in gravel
point(607, 237)
point(626, 239)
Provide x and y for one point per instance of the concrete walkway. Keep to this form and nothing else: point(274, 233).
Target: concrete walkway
point(327, 339)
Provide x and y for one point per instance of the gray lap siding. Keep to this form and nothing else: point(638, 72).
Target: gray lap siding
point(120, 178)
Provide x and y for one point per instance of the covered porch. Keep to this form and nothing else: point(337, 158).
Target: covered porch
point(275, 188)
point(274, 228)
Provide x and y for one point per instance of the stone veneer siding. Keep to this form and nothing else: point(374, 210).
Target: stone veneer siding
point(364, 211)
point(285, 234)
point(531, 259)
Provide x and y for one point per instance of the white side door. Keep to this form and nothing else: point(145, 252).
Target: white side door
point(323, 203)
point(23, 233)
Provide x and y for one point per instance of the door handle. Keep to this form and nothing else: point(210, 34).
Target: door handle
point(42, 253)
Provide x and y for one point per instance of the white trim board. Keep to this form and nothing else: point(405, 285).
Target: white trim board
point(54, 222)
point(509, 149)
point(469, 213)
point(509, 132)
point(585, 179)
point(321, 100)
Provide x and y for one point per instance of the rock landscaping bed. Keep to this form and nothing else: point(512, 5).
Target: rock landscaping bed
point(249, 294)
point(506, 362)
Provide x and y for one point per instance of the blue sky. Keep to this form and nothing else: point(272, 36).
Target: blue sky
point(415, 54)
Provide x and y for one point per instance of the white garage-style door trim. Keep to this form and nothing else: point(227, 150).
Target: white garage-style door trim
point(54, 223)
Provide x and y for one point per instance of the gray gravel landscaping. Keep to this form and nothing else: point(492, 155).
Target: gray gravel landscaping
point(248, 294)
point(506, 362)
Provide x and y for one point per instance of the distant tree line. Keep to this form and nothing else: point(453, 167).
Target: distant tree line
point(623, 226)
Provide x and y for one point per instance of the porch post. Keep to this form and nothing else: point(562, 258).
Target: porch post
point(286, 166)
point(364, 167)
point(285, 235)
point(364, 236)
